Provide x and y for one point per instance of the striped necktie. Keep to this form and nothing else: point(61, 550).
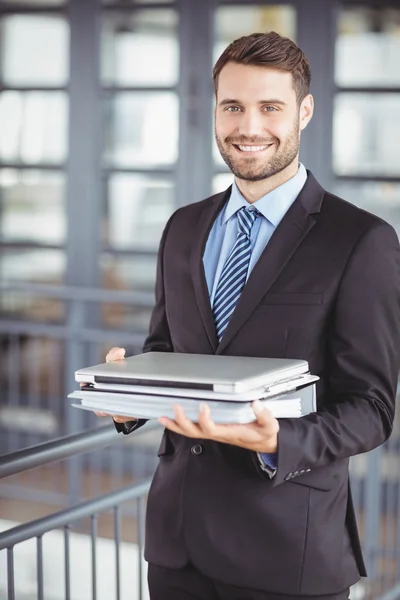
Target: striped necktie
point(234, 272)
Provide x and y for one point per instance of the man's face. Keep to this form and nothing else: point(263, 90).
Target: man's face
point(258, 120)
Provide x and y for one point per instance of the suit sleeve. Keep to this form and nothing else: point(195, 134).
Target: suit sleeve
point(363, 360)
point(159, 338)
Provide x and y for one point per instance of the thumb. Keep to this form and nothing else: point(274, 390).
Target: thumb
point(263, 415)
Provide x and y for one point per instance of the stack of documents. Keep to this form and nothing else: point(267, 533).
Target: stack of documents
point(147, 386)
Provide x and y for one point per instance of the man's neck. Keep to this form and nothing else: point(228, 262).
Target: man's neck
point(254, 190)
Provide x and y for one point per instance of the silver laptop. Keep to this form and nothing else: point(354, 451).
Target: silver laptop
point(224, 374)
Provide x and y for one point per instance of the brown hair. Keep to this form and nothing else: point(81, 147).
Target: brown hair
point(268, 50)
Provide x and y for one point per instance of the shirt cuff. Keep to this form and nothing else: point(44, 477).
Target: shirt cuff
point(127, 427)
point(268, 462)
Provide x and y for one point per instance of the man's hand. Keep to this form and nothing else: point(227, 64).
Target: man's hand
point(115, 354)
point(259, 436)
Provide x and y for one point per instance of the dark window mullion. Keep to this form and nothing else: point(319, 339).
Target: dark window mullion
point(367, 90)
point(361, 178)
point(123, 6)
point(112, 90)
point(157, 172)
point(28, 9)
point(26, 245)
point(20, 166)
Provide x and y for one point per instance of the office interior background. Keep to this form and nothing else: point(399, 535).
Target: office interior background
point(106, 127)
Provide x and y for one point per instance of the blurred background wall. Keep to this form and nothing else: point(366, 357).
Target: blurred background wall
point(106, 128)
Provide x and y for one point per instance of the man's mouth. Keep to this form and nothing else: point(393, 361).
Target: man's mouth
point(252, 148)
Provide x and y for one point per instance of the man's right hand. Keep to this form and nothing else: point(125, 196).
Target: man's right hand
point(115, 354)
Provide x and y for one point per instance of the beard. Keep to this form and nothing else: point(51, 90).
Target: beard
point(252, 169)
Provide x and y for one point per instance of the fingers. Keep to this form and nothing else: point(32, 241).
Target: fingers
point(181, 424)
point(119, 419)
point(206, 424)
point(264, 417)
point(115, 354)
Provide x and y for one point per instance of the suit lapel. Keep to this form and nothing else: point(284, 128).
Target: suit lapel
point(200, 236)
point(291, 231)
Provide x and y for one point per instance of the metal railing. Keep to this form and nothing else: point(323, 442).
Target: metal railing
point(50, 452)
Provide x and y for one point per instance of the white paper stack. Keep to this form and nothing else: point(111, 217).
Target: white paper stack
point(149, 385)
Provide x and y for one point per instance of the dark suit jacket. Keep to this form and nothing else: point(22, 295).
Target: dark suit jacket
point(326, 289)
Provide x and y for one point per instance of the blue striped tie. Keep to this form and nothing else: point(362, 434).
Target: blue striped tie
point(234, 273)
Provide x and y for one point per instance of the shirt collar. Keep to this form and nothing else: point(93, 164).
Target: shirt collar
point(274, 205)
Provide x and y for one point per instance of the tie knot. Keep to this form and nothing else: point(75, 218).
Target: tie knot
point(246, 218)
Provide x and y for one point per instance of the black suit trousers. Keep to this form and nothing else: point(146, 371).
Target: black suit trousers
point(190, 584)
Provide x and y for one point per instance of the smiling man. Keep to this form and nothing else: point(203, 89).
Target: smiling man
point(275, 266)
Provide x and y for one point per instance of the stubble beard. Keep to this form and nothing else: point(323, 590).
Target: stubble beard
point(284, 155)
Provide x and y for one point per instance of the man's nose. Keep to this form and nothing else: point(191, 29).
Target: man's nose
point(251, 124)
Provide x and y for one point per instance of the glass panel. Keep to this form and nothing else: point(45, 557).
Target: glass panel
point(368, 47)
point(142, 129)
point(138, 209)
point(140, 48)
point(34, 50)
point(221, 182)
point(135, 273)
point(366, 131)
point(33, 127)
point(380, 198)
point(39, 266)
point(234, 21)
point(32, 206)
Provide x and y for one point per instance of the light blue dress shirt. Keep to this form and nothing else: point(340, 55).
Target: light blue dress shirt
point(272, 207)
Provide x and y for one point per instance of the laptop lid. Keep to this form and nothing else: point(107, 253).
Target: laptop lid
point(229, 374)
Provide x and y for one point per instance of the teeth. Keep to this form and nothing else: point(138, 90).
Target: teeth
point(252, 148)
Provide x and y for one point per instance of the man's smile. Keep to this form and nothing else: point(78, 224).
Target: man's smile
point(252, 149)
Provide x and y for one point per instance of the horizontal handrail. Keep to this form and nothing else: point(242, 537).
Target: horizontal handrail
point(83, 294)
point(65, 517)
point(69, 332)
point(63, 447)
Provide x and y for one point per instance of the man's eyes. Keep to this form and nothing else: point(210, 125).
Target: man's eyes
point(239, 109)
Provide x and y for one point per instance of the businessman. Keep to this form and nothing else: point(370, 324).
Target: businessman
point(275, 266)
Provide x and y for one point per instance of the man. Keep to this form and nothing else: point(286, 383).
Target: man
point(273, 267)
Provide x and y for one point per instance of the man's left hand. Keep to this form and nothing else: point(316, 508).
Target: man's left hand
point(260, 436)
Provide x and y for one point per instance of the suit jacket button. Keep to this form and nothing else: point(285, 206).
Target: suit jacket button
point(196, 449)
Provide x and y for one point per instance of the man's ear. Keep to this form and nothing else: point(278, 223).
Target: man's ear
point(306, 111)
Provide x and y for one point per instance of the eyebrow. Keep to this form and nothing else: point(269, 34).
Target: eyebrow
point(233, 101)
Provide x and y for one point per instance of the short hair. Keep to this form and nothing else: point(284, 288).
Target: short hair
point(268, 50)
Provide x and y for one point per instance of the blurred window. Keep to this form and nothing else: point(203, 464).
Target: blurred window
point(142, 129)
point(32, 206)
point(41, 265)
point(368, 47)
point(231, 22)
point(366, 133)
point(132, 272)
point(34, 50)
point(33, 127)
point(138, 208)
point(221, 182)
point(140, 48)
